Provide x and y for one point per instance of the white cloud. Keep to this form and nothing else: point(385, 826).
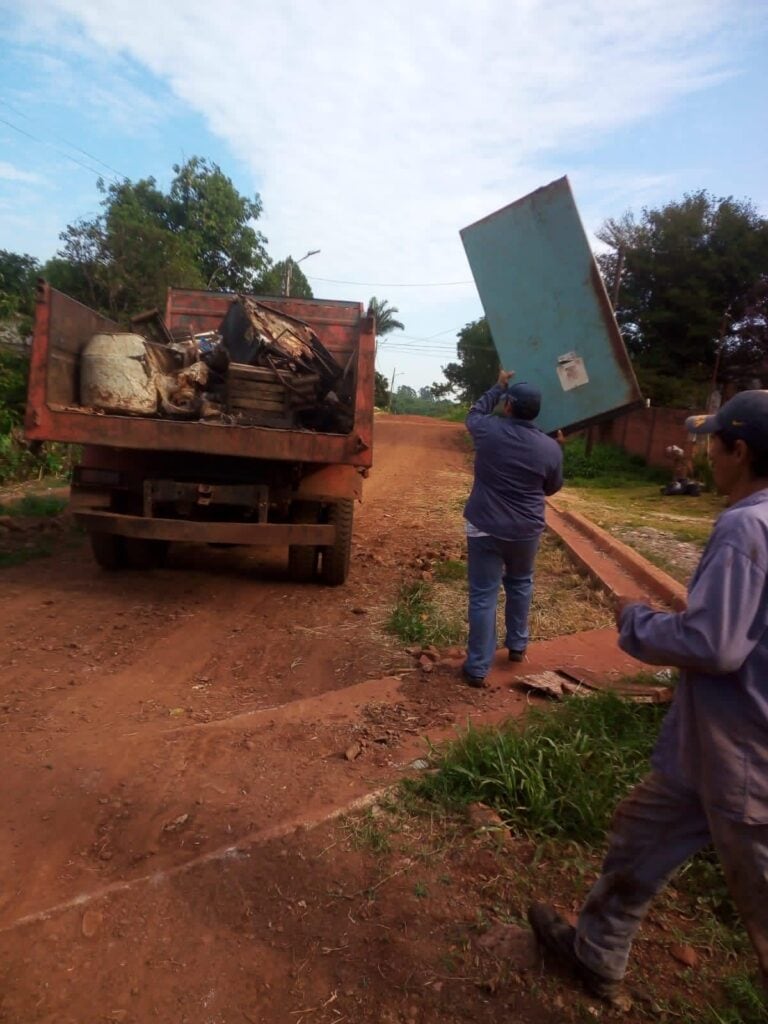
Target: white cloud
point(8, 172)
point(376, 132)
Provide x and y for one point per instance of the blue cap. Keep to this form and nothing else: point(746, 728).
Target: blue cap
point(525, 399)
point(744, 417)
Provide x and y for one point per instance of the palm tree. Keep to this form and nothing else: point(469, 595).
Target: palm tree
point(384, 314)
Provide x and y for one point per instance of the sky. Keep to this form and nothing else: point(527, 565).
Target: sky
point(374, 133)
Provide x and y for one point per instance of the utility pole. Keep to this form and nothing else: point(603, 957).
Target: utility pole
point(392, 387)
point(290, 263)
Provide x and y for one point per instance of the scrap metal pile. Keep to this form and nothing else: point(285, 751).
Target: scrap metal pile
point(260, 368)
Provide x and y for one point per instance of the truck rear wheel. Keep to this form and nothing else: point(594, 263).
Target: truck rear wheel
point(108, 550)
point(303, 558)
point(143, 553)
point(334, 565)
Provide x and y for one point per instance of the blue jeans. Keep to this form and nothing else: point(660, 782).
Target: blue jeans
point(491, 562)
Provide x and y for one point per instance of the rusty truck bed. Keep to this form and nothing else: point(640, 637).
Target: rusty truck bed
point(63, 326)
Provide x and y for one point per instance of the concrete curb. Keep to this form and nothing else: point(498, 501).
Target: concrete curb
point(654, 581)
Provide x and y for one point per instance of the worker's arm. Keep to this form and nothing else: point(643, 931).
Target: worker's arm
point(716, 633)
point(485, 405)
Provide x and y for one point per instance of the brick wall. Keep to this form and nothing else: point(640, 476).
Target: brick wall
point(647, 432)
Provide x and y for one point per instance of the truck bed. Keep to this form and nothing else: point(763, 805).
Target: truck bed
point(63, 327)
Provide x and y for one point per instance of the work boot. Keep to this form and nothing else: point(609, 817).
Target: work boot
point(478, 682)
point(516, 655)
point(558, 937)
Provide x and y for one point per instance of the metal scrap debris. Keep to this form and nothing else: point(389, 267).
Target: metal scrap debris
point(261, 367)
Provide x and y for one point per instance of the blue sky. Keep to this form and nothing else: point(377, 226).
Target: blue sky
point(375, 135)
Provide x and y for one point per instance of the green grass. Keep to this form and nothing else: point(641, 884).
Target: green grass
point(365, 832)
point(8, 559)
point(743, 1003)
point(561, 776)
point(34, 506)
point(606, 466)
point(416, 619)
point(450, 571)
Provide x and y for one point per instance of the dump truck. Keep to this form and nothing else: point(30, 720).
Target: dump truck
point(145, 482)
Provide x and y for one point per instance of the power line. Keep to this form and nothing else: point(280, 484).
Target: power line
point(379, 284)
point(44, 142)
point(66, 142)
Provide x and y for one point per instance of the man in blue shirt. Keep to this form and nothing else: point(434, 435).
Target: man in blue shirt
point(516, 466)
point(709, 778)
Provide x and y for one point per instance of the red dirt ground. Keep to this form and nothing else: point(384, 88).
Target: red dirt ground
point(165, 733)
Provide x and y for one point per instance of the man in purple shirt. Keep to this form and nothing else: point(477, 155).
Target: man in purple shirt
point(516, 466)
point(709, 777)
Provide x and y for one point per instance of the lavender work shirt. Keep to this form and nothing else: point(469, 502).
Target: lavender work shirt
point(715, 736)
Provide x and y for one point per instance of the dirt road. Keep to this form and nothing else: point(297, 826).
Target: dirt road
point(159, 729)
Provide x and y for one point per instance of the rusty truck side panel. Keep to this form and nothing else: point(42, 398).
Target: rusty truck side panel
point(63, 326)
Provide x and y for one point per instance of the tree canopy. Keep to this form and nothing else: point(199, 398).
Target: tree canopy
point(17, 283)
point(477, 367)
point(692, 279)
point(381, 393)
point(197, 235)
point(272, 280)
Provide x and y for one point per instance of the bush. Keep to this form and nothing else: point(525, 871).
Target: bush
point(18, 463)
point(13, 390)
point(607, 465)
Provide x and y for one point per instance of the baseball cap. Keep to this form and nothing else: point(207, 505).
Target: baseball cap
point(526, 399)
point(745, 417)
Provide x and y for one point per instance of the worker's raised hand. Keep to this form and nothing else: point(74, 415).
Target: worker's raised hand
point(505, 376)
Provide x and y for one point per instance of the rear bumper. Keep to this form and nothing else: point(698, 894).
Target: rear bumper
point(197, 532)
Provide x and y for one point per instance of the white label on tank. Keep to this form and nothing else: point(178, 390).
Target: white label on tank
point(571, 371)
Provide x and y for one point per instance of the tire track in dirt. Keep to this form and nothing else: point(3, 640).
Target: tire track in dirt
point(96, 784)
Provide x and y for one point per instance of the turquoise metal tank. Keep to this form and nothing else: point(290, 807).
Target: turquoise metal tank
point(549, 313)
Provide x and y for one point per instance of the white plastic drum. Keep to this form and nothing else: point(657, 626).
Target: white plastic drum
point(116, 376)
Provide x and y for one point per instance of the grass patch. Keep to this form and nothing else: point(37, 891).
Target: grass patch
point(417, 620)
point(607, 465)
point(366, 833)
point(450, 571)
point(561, 776)
point(8, 559)
point(564, 601)
point(743, 1003)
point(34, 506)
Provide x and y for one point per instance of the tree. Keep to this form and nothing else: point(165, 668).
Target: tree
point(18, 272)
point(384, 315)
point(197, 235)
point(692, 281)
point(426, 394)
point(272, 281)
point(207, 209)
point(477, 367)
point(381, 391)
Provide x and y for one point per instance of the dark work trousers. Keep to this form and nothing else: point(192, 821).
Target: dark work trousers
point(659, 826)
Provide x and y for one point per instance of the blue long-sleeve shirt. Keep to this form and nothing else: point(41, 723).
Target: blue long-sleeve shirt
point(715, 736)
point(516, 466)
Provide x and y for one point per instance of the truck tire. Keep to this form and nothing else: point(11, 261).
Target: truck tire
point(108, 550)
point(143, 553)
point(334, 564)
point(303, 558)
